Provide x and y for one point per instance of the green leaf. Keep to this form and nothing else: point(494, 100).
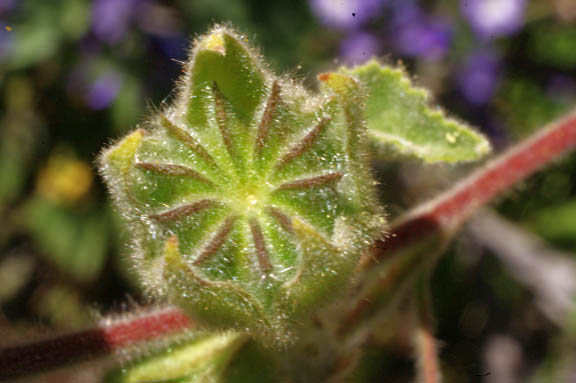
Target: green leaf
point(13, 166)
point(75, 242)
point(128, 106)
point(44, 27)
point(400, 118)
point(553, 44)
point(557, 223)
point(203, 359)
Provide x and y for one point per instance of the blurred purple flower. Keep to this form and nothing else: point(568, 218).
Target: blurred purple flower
point(103, 91)
point(173, 47)
point(165, 29)
point(7, 5)
point(561, 87)
point(358, 47)
point(493, 18)
point(111, 18)
point(6, 41)
point(345, 14)
point(479, 77)
point(416, 34)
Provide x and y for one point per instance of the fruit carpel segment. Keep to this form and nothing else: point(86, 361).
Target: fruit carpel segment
point(304, 144)
point(181, 212)
point(216, 241)
point(310, 182)
point(260, 245)
point(267, 116)
point(174, 170)
point(187, 139)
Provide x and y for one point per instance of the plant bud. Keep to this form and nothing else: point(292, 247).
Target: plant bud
point(249, 199)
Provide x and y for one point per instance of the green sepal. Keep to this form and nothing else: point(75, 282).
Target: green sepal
point(351, 98)
point(204, 358)
point(222, 60)
point(319, 277)
point(400, 119)
point(116, 163)
point(118, 159)
point(234, 306)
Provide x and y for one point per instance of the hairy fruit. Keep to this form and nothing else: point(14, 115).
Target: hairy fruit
point(249, 199)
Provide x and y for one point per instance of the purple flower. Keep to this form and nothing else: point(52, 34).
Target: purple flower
point(493, 18)
point(345, 14)
point(93, 82)
point(416, 34)
point(6, 41)
point(561, 87)
point(479, 77)
point(103, 91)
point(358, 47)
point(173, 47)
point(111, 18)
point(7, 5)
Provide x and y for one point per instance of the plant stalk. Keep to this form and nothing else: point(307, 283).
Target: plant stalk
point(29, 359)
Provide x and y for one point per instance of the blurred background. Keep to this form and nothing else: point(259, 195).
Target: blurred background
point(77, 74)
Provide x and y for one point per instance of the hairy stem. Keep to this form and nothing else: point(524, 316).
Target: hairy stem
point(427, 355)
point(420, 235)
point(111, 336)
point(455, 206)
point(423, 340)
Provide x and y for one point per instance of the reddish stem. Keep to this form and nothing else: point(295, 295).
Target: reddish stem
point(427, 353)
point(442, 216)
point(37, 357)
point(453, 207)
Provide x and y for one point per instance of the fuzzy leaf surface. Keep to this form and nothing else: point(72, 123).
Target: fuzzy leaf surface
point(202, 359)
point(400, 118)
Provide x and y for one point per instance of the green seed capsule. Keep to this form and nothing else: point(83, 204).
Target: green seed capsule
point(249, 199)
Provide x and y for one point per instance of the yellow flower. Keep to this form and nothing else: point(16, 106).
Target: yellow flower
point(64, 178)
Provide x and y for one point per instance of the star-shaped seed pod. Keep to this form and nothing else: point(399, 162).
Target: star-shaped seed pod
point(250, 199)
